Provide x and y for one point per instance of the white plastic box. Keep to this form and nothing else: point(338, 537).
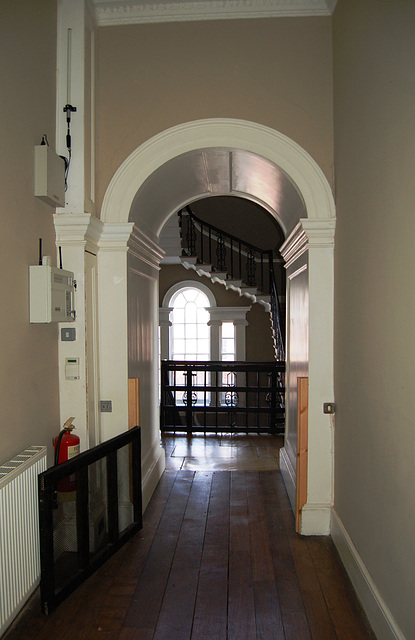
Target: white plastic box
point(51, 294)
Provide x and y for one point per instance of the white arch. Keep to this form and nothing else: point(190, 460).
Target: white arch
point(311, 240)
point(218, 132)
point(189, 284)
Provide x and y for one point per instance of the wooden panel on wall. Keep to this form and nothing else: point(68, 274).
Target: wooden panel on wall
point(302, 448)
point(133, 402)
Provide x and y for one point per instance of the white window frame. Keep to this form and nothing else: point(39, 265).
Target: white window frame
point(236, 315)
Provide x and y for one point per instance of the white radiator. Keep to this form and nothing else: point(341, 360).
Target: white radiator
point(19, 531)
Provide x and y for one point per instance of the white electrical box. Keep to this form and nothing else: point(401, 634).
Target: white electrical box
point(51, 294)
point(49, 184)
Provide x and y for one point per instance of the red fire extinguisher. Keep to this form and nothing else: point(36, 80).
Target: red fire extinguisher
point(66, 446)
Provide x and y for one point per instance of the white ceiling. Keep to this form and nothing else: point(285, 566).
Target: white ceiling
point(215, 172)
point(120, 12)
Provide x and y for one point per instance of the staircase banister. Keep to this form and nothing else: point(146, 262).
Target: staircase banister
point(249, 245)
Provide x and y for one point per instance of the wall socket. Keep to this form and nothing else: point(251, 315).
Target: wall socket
point(329, 408)
point(106, 406)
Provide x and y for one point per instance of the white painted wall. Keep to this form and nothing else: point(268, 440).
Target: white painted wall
point(29, 408)
point(374, 49)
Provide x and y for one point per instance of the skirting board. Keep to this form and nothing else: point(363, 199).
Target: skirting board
point(288, 475)
point(315, 518)
point(379, 616)
point(153, 467)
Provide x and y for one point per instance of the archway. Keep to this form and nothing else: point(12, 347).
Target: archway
point(231, 157)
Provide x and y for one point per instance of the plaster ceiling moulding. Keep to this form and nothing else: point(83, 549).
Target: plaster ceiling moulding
point(121, 12)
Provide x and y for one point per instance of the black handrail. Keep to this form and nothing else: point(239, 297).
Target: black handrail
point(249, 245)
point(276, 318)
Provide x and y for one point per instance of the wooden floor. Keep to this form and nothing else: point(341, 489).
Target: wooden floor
point(218, 558)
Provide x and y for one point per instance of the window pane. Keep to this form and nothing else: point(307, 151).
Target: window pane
point(191, 312)
point(179, 346)
point(191, 295)
point(203, 316)
point(203, 332)
point(203, 346)
point(228, 330)
point(227, 345)
point(191, 346)
point(178, 330)
point(177, 315)
point(191, 331)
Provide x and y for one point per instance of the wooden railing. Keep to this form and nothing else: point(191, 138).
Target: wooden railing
point(224, 396)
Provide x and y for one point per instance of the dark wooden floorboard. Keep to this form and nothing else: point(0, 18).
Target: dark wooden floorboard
point(176, 614)
point(294, 616)
point(268, 617)
point(143, 611)
point(241, 604)
point(217, 559)
point(211, 608)
point(348, 618)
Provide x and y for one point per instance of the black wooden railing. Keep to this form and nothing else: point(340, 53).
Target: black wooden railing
point(224, 397)
point(239, 260)
point(89, 507)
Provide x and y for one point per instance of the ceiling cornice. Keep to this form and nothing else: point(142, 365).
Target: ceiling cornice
point(122, 12)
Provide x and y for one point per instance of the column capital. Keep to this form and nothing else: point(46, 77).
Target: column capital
point(308, 234)
point(115, 236)
point(81, 229)
point(164, 316)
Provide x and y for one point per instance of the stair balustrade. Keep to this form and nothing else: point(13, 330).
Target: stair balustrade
point(239, 264)
point(222, 397)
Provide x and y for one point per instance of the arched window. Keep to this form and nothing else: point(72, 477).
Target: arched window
point(192, 327)
point(189, 332)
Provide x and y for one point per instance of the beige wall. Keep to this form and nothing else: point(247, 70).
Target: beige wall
point(29, 366)
point(374, 115)
point(274, 72)
point(259, 347)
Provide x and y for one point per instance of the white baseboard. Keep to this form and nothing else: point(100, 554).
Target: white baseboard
point(315, 519)
point(379, 615)
point(289, 476)
point(152, 469)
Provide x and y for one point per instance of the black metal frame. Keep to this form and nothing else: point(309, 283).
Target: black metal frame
point(263, 409)
point(51, 593)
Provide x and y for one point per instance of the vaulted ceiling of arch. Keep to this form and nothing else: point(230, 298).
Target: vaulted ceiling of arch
point(217, 172)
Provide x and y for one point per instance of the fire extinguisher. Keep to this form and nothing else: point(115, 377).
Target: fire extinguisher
point(66, 446)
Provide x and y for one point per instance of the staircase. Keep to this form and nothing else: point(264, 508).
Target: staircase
point(235, 264)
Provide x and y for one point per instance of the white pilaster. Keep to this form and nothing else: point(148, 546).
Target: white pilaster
point(316, 514)
point(75, 234)
point(165, 324)
point(310, 248)
point(215, 326)
point(76, 86)
point(112, 295)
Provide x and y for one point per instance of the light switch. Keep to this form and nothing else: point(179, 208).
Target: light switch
point(329, 408)
point(68, 334)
